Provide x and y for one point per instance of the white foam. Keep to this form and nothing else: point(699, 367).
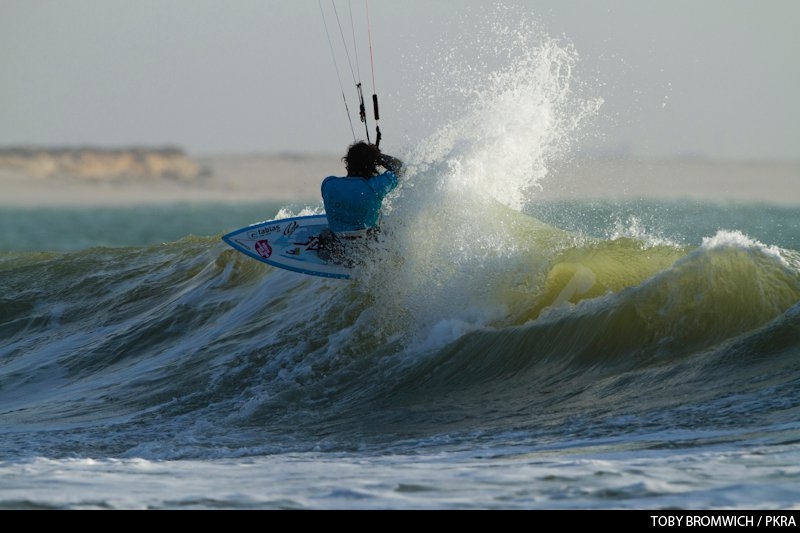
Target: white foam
point(514, 109)
point(737, 239)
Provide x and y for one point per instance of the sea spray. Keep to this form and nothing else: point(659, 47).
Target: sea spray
point(466, 255)
point(513, 106)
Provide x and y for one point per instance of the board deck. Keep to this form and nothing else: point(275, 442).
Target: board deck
point(289, 243)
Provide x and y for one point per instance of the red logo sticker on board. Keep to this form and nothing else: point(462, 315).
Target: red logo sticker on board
point(264, 249)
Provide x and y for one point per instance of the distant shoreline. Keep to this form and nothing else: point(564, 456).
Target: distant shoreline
point(765, 181)
point(295, 178)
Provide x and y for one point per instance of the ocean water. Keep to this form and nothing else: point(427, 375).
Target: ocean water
point(646, 357)
point(497, 351)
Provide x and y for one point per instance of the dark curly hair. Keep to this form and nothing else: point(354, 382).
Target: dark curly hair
point(362, 159)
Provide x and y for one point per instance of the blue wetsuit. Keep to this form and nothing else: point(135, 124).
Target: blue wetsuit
point(354, 203)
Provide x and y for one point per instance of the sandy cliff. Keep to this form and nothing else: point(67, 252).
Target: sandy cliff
point(100, 164)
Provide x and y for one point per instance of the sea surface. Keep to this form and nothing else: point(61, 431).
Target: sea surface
point(585, 355)
point(496, 350)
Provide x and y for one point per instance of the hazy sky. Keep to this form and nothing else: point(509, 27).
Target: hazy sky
point(716, 78)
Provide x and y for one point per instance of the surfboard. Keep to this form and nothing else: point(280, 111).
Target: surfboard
point(289, 243)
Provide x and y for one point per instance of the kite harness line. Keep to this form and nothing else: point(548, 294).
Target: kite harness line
point(356, 73)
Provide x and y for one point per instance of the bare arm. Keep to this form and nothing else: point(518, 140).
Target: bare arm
point(391, 163)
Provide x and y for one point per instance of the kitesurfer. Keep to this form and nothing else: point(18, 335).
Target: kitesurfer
point(353, 202)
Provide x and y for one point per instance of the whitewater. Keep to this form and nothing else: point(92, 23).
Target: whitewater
point(496, 352)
